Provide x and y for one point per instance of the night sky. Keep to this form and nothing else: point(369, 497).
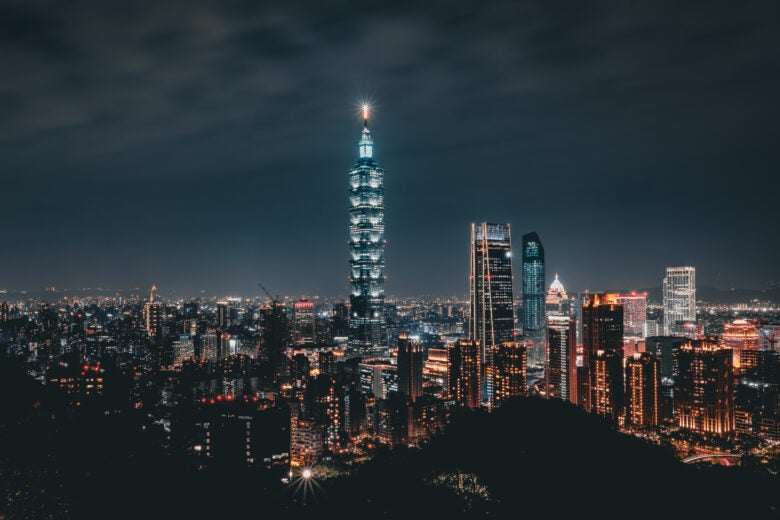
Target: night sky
point(205, 145)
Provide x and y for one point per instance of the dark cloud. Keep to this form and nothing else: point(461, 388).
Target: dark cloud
point(205, 144)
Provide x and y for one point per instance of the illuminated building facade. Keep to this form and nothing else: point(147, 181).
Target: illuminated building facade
point(153, 316)
point(435, 370)
point(704, 388)
point(508, 372)
point(533, 284)
point(557, 302)
point(378, 379)
point(183, 348)
point(606, 384)
point(77, 383)
point(561, 359)
point(303, 323)
point(634, 313)
point(410, 367)
point(602, 330)
point(740, 336)
point(223, 430)
point(679, 299)
point(761, 366)
point(491, 320)
point(306, 439)
point(643, 390)
point(327, 362)
point(223, 315)
point(367, 327)
point(208, 345)
point(464, 360)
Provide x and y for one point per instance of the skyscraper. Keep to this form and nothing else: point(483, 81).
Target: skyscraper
point(303, 322)
point(557, 301)
point(679, 294)
point(367, 328)
point(491, 320)
point(643, 390)
point(410, 367)
point(533, 284)
point(561, 363)
point(464, 370)
point(153, 315)
point(704, 388)
point(634, 313)
point(602, 331)
point(508, 372)
point(223, 315)
point(606, 384)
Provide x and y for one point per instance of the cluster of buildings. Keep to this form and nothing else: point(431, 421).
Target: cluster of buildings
point(308, 381)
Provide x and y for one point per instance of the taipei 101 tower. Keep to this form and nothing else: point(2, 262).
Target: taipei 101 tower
point(367, 327)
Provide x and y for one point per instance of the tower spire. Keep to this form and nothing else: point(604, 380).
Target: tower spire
point(366, 144)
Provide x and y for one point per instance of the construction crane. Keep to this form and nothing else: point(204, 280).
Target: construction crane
point(275, 301)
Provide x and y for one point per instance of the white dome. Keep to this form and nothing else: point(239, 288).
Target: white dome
point(557, 286)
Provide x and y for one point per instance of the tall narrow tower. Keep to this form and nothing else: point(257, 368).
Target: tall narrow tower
point(533, 284)
point(367, 329)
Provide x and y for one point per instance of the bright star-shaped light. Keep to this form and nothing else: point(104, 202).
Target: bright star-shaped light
point(365, 108)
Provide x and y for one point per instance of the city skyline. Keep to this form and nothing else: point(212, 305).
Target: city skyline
point(154, 159)
point(259, 258)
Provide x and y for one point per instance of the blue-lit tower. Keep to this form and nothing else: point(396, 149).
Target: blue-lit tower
point(367, 328)
point(533, 285)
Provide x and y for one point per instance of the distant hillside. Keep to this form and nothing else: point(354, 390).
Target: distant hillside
point(721, 296)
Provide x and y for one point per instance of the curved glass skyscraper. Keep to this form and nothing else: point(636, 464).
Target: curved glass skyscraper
point(367, 329)
point(533, 284)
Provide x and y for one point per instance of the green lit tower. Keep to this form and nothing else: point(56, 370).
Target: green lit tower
point(367, 328)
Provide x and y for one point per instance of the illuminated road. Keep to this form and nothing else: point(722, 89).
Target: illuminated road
point(696, 458)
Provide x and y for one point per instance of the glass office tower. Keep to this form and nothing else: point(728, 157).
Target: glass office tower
point(491, 319)
point(533, 284)
point(367, 327)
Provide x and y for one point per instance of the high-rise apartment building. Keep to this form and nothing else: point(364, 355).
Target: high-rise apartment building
point(367, 326)
point(704, 388)
point(508, 372)
point(410, 367)
point(606, 384)
point(223, 315)
point(634, 313)
point(183, 348)
point(643, 390)
point(303, 323)
point(602, 331)
point(464, 361)
point(561, 359)
point(679, 298)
